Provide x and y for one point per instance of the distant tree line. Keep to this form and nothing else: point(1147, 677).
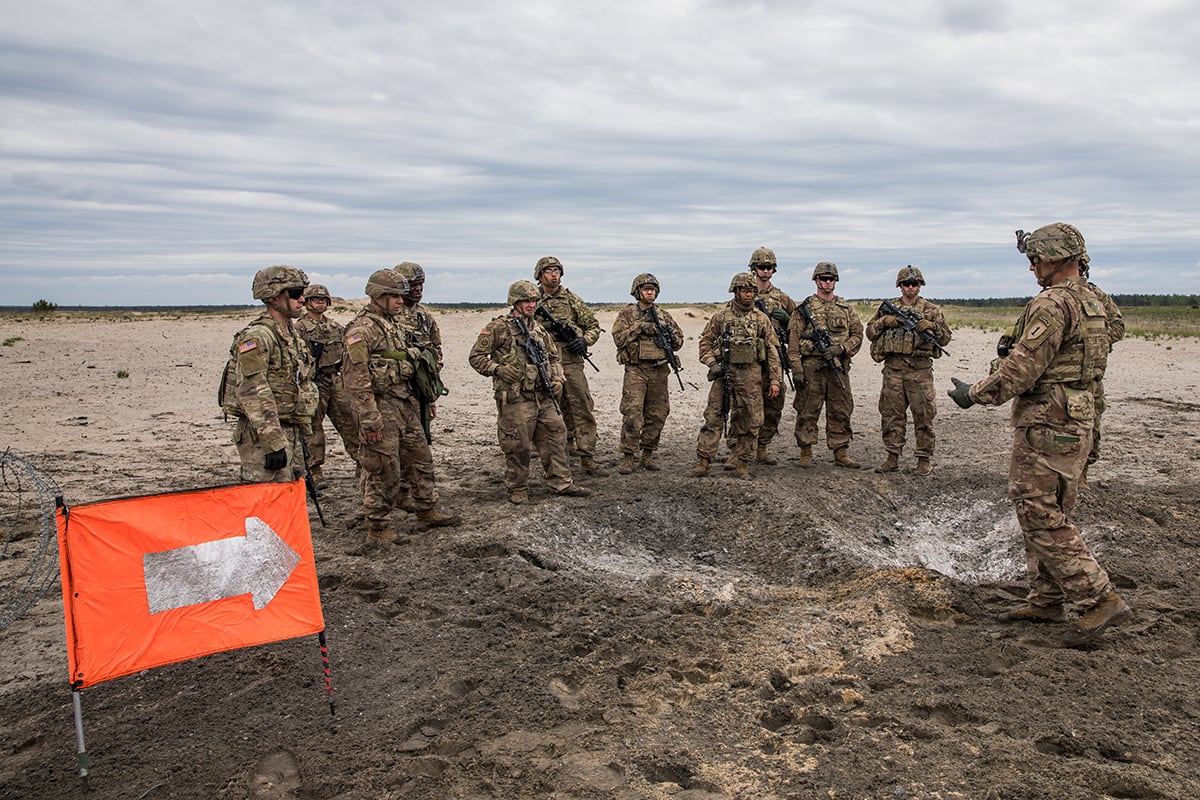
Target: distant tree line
point(1124, 300)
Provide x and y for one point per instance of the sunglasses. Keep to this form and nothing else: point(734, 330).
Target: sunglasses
point(910, 283)
point(296, 292)
point(771, 267)
point(827, 278)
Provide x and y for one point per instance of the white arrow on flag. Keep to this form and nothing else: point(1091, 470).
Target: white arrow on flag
point(259, 563)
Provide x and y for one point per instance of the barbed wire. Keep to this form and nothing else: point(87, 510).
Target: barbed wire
point(29, 556)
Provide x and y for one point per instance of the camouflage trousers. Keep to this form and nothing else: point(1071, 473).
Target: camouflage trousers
point(527, 422)
point(905, 388)
point(252, 454)
point(645, 404)
point(577, 408)
point(821, 389)
point(332, 403)
point(772, 414)
point(1043, 483)
point(401, 457)
point(745, 415)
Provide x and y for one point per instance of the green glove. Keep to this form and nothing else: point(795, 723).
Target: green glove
point(714, 370)
point(781, 318)
point(961, 393)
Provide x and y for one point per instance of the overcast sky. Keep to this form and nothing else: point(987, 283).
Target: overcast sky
point(162, 152)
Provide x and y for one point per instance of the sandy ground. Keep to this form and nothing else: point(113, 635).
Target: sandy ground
point(811, 633)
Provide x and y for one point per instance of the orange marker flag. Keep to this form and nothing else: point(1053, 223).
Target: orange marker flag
point(153, 580)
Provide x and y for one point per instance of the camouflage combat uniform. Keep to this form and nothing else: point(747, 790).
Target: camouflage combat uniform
point(1061, 350)
point(526, 419)
point(577, 404)
point(768, 301)
point(645, 397)
point(907, 376)
point(274, 397)
point(821, 386)
point(753, 360)
point(382, 399)
point(419, 322)
point(333, 401)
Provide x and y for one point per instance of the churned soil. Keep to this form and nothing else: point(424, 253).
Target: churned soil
point(809, 633)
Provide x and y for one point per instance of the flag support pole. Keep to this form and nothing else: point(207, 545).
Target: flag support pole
point(325, 669)
point(82, 748)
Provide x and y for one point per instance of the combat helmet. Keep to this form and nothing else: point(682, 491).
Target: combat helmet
point(825, 268)
point(522, 290)
point(386, 281)
point(743, 280)
point(642, 280)
point(763, 255)
point(1052, 243)
point(271, 281)
point(543, 263)
point(909, 273)
point(318, 291)
point(411, 271)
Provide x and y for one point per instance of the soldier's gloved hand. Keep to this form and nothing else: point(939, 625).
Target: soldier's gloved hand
point(781, 318)
point(275, 461)
point(510, 373)
point(961, 393)
point(834, 351)
point(890, 321)
point(649, 328)
point(714, 370)
point(925, 325)
point(578, 346)
point(557, 387)
point(798, 377)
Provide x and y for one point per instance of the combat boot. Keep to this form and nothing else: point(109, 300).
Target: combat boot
point(890, 464)
point(628, 462)
point(574, 490)
point(380, 534)
point(433, 518)
point(763, 457)
point(592, 468)
point(1029, 613)
point(701, 468)
point(923, 466)
point(742, 470)
point(648, 462)
point(318, 478)
point(405, 503)
point(806, 460)
point(731, 463)
point(841, 457)
point(1110, 610)
point(518, 497)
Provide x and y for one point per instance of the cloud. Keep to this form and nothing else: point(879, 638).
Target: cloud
point(155, 142)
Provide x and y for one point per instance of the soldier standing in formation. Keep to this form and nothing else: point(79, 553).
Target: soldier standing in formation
point(581, 332)
point(521, 358)
point(1060, 351)
point(419, 324)
point(639, 333)
point(825, 334)
point(774, 302)
point(735, 345)
point(907, 357)
point(378, 366)
point(268, 382)
point(324, 338)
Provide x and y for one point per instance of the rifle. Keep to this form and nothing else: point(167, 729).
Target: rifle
point(908, 321)
point(309, 483)
point(664, 337)
point(822, 341)
point(316, 348)
point(564, 331)
point(726, 383)
point(536, 353)
point(781, 335)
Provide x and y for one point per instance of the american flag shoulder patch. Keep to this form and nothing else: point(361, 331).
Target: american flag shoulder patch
point(248, 345)
point(354, 338)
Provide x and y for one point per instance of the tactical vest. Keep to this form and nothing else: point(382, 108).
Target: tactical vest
point(1083, 358)
point(290, 372)
point(385, 372)
point(899, 342)
point(746, 345)
point(329, 335)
